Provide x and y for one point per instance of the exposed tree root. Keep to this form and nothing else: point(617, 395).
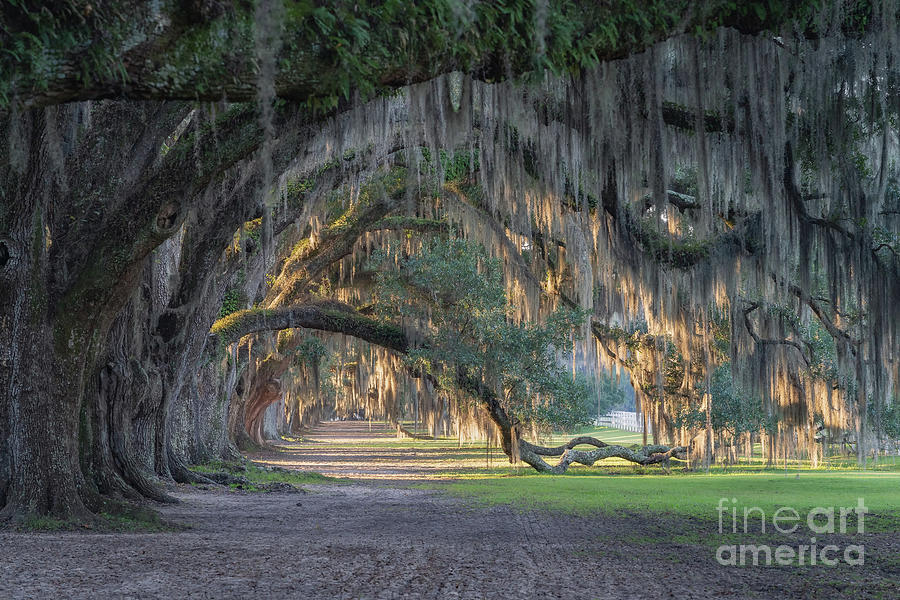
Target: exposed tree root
point(137, 486)
point(181, 473)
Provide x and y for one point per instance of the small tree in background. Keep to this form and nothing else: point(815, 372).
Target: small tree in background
point(453, 291)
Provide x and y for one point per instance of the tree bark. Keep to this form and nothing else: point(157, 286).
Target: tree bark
point(39, 447)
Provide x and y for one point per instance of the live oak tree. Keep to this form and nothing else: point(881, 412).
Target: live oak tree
point(455, 292)
point(162, 158)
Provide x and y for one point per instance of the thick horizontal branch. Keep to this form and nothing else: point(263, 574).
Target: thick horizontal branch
point(647, 455)
point(326, 316)
point(311, 258)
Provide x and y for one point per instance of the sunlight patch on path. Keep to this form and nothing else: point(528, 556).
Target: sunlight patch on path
point(359, 450)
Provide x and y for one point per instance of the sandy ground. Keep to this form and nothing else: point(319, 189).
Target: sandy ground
point(375, 539)
point(345, 449)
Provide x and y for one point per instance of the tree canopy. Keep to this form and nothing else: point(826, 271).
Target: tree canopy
point(473, 208)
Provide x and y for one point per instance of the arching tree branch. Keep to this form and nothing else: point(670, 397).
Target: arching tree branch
point(325, 316)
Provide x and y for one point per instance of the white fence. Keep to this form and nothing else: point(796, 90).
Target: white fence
point(621, 419)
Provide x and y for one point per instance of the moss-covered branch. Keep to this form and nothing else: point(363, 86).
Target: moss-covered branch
point(647, 455)
point(330, 316)
point(310, 258)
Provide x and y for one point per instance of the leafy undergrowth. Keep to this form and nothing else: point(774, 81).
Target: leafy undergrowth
point(251, 477)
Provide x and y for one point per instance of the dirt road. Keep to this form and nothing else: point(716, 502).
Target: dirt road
point(374, 540)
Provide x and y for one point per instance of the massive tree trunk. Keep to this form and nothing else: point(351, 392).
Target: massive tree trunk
point(129, 386)
point(265, 390)
point(125, 424)
point(62, 282)
point(44, 350)
point(201, 421)
point(44, 478)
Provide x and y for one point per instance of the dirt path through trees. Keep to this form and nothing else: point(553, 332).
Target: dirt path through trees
point(360, 450)
point(372, 539)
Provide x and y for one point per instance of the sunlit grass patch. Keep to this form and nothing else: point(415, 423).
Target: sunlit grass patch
point(695, 495)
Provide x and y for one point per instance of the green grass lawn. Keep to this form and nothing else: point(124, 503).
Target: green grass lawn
point(474, 459)
point(451, 459)
point(614, 485)
point(635, 511)
point(694, 495)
